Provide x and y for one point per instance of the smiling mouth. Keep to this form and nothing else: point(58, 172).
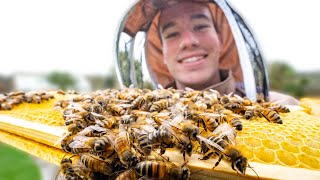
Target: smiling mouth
point(192, 59)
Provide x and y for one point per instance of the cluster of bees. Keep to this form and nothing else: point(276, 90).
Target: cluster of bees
point(9, 100)
point(123, 134)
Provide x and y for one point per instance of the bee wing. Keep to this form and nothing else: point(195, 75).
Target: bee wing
point(61, 138)
point(250, 107)
point(72, 115)
point(215, 92)
point(177, 120)
point(88, 129)
point(238, 97)
point(149, 121)
point(210, 143)
point(189, 89)
point(148, 128)
point(96, 114)
point(124, 105)
point(167, 126)
point(162, 114)
point(80, 142)
point(225, 130)
point(211, 114)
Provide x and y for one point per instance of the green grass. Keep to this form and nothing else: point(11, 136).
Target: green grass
point(16, 164)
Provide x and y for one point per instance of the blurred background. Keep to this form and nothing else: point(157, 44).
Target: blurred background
point(71, 45)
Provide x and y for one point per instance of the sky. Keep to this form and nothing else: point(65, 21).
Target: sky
point(79, 36)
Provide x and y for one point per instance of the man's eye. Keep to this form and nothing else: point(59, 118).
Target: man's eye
point(200, 27)
point(171, 35)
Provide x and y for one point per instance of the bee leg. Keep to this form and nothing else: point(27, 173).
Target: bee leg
point(204, 125)
point(217, 163)
point(162, 149)
point(207, 155)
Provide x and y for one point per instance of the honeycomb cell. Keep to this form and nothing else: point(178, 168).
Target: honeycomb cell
point(259, 135)
point(270, 144)
point(252, 142)
point(287, 158)
point(264, 130)
point(265, 155)
point(294, 140)
point(290, 147)
point(311, 151)
point(312, 144)
point(311, 162)
point(276, 137)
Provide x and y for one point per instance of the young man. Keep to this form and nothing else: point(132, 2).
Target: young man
point(191, 50)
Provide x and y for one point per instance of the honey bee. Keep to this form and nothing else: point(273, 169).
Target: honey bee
point(280, 108)
point(128, 175)
point(260, 98)
point(76, 127)
point(47, 96)
point(68, 171)
point(128, 119)
point(96, 108)
point(183, 140)
point(104, 141)
point(271, 116)
point(225, 99)
point(162, 137)
point(226, 151)
point(212, 120)
point(6, 106)
point(159, 105)
point(60, 92)
point(201, 106)
point(108, 122)
point(235, 107)
point(93, 131)
point(144, 145)
point(217, 107)
point(249, 114)
point(245, 101)
point(122, 146)
point(125, 96)
point(226, 132)
point(62, 104)
point(82, 144)
point(234, 121)
point(138, 102)
point(64, 141)
point(96, 164)
point(116, 109)
point(15, 93)
point(101, 100)
point(161, 170)
point(193, 94)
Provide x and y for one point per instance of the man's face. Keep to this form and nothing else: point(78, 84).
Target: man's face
point(190, 45)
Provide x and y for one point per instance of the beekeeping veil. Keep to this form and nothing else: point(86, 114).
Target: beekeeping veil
point(139, 50)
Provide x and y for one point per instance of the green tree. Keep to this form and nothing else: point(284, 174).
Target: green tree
point(63, 80)
point(284, 78)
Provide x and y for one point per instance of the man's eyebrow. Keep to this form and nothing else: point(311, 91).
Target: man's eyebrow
point(199, 16)
point(168, 25)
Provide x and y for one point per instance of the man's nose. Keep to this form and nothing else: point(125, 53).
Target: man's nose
point(188, 40)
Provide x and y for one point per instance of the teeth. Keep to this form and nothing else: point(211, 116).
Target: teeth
point(192, 59)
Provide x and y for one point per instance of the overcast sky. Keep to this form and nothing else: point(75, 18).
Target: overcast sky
point(41, 35)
